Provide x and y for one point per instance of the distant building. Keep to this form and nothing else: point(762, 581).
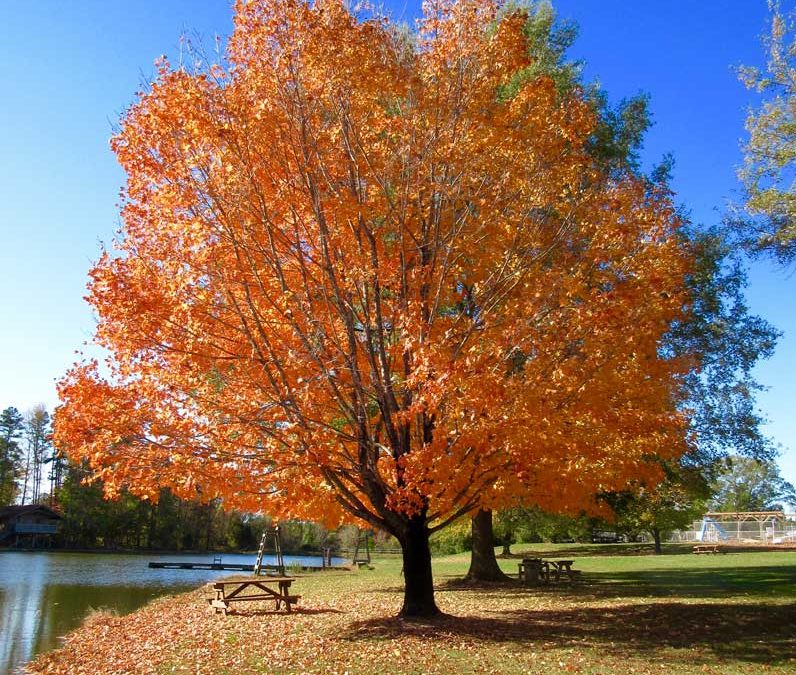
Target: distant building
point(32, 526)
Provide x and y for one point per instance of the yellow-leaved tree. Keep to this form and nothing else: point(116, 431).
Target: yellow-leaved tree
point(769, 224)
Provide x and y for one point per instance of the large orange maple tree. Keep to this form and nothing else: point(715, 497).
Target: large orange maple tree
point(375, 274)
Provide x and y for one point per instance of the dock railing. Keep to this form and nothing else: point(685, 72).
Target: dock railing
point(35, 528)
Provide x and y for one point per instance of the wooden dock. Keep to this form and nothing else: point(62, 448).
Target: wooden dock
point(201, 566)
point(235, 567)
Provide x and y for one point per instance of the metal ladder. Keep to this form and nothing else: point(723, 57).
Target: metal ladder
point(362, 550)
point(272, 534)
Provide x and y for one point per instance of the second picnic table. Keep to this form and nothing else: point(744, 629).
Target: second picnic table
point(707, 548)
point(535, 570)
point(251, 589)
point(556, 567)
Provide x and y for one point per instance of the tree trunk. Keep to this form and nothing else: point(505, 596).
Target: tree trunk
point(656, 535)
point(483, 564)
point(27, 476)
point(153, 522)
point(418, 581)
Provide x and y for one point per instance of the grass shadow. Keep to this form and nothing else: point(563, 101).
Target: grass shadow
point(775, 581)
point(282, 612)
point(743, 632)
point(459, 583)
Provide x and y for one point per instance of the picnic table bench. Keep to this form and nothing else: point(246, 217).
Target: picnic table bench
point(707, 548)
point(255, 588)
point(559, 567)
point(538, 570)
point(532, 570)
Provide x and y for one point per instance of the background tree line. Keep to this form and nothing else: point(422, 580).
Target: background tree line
point(174, 524)
point(28, 463)
point(33, 472)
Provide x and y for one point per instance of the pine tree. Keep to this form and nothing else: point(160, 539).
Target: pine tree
point(11, 428)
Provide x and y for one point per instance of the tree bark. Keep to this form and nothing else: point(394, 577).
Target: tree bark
point(656, 536)
point(483, 564)
point(418, 580)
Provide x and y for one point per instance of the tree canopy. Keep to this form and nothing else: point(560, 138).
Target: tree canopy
point(770, 152)
point(369, 273)
point(747, 484)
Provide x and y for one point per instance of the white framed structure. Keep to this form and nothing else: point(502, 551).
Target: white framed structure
point(752, 527)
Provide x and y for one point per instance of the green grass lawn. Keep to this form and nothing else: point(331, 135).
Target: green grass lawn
point(727, 613)
point(634, 613)
point(770, 575)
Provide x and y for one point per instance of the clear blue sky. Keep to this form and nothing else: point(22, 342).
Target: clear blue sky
point(70, 68)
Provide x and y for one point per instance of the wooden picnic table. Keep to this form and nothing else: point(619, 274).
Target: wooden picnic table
point(556, 567)
point(251, 589)
point(706, 548)
point(538, 570)
point(532, 570)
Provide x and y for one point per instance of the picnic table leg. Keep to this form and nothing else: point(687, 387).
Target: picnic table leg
point(220, 598)
point(278, 597)
point(284, 590)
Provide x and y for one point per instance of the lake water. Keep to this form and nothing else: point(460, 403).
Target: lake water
point(45, 595)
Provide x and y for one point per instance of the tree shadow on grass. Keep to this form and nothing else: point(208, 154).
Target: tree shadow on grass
point(271, 612)
point(453, 582)
point(775, 581)
point(742, 632)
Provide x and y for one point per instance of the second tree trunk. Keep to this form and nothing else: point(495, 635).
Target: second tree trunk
point(483, 563)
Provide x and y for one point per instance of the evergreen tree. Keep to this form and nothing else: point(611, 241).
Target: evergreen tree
point(11, 428)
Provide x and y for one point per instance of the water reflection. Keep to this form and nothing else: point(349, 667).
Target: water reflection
point(43, 596)
point(21, 614)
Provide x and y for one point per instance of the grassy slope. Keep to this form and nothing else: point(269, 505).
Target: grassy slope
point(731, 613)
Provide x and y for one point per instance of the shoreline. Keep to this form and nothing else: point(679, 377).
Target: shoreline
point(109, 551)
point(301, 554)
point(94, 630)
point(135, 551)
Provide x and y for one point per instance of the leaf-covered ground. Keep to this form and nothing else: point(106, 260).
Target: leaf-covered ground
point(633, 614)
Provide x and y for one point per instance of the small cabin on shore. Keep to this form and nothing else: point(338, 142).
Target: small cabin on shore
point(33, 525)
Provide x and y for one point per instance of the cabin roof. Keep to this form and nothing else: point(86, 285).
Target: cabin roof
point(10, 512)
